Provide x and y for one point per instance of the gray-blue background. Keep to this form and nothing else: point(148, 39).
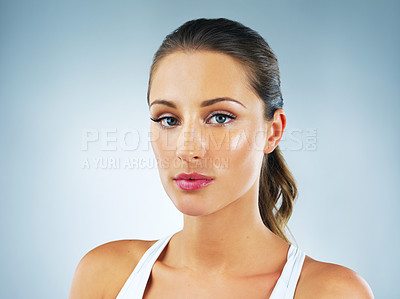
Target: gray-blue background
point(70, 67)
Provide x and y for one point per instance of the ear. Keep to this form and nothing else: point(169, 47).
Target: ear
point(275, 131)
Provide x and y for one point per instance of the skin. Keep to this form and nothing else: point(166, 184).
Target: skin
point(217, 217)
point(224, 249)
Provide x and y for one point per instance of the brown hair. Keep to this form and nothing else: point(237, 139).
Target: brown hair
point(253, 52)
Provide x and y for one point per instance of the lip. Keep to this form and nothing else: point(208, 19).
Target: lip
point(192, 181)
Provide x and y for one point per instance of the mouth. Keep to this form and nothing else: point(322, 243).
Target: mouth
point(192, 181)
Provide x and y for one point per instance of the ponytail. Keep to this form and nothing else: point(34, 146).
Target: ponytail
point(276, 182)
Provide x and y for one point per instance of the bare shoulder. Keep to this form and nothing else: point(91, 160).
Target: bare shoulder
point(102, 272)
point(326, 280)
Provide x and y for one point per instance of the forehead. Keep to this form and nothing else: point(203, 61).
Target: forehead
point(199, 75)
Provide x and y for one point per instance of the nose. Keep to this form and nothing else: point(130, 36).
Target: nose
point(190, 143)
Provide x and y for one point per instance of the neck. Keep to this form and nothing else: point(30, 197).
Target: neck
point(216, 243)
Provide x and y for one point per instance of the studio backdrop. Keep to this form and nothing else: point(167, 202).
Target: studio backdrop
point(77, 169)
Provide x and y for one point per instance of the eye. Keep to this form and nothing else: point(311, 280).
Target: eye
point(167, 121)
point(221, 118)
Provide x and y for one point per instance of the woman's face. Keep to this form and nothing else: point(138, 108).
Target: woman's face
point(200, 130)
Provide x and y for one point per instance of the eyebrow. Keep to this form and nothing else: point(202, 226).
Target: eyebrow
point(203, 104)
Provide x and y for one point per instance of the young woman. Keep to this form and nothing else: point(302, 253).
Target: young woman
point(216, 110)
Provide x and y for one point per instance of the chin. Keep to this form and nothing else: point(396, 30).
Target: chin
point(191, 206)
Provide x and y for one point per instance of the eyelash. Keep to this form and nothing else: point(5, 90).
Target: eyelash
point(227, 114)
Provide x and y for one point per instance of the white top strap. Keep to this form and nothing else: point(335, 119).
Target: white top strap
point(287, 282)
point(135, 286)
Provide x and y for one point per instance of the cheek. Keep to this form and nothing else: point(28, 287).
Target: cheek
point(162, 143)
point(240, 145)
point(162, 151)
point(243, 158)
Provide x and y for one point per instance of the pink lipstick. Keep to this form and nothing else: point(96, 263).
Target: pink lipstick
point(192, 181)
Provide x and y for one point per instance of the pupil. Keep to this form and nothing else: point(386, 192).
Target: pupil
point(220, 118)
point(171, 121)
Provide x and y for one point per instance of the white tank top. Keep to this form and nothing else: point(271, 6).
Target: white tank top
point(135, 286)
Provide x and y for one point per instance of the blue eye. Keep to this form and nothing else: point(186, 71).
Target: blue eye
point(170, 121)
point(167, 121)
point(221, 118)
